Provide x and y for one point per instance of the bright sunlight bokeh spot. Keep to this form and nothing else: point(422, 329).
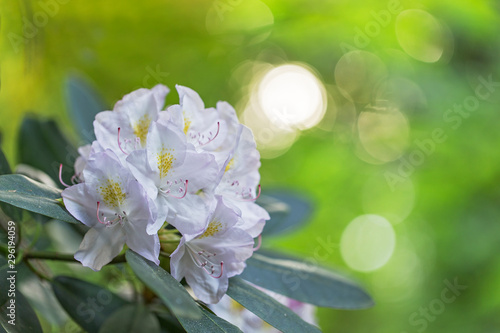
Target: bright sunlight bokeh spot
point(292, 97)
point(367, 243)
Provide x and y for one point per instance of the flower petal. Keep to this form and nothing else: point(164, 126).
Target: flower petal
point(100, 245)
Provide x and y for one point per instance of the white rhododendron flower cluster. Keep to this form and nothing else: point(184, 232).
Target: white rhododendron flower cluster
point(188, 171)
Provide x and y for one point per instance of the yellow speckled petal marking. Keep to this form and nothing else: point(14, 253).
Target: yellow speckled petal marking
point(141, 128)
point(213, 228)
point(165, 160)
point(229, 165)
point(187, 124)
point(112, 193)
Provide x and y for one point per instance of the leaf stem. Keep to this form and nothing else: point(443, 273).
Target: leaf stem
point(47, 255)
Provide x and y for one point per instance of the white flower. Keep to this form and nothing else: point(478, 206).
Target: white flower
point(179, 179)
point(211, 130)
point(125, 129)
point(239, 183)
point(207, 260)
point(116, 208)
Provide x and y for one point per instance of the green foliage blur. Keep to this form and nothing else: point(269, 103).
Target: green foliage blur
point(447, 229)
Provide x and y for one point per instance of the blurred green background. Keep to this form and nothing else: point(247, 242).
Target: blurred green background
point(386, 108)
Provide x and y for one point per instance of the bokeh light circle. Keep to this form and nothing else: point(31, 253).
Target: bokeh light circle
point(383, 133)
point(291, 96)
point(357, 73)
point(367, 243)
point(420, 35)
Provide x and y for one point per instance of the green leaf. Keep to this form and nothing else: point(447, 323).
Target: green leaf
point(88, 304)
point(305, 282)
point(24, 315)
point(131, 319)
point(42, 145)
point(10, 210)
point(25, 193)
point(209, 323)
point(168, 323)
point(4, 164)
point(25, 318)
point(193, 318)
point(84, 103)
point(267, 308)
point(286, 209)
point(170, 291)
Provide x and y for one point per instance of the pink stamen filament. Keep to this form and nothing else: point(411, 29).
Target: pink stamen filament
point(259, 244)
point(107, 223)
point(253, 199)
point(60, 176)
point(119, 144)
point(185, 191)
point(205, 257)
point(213, 138)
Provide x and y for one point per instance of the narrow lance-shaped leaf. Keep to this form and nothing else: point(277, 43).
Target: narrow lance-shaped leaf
point(84, 103)
point(88, 304)
point(25, 193)
point(267, 308)
point(170, 291)
point(193, 318)
point(305, 282)
point(42, 146)
point(10, 210)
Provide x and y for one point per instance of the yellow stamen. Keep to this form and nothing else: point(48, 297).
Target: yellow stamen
point(141, 128)
point(187, 124)
point(165, 160)
point(213, 228)
point(112, 193)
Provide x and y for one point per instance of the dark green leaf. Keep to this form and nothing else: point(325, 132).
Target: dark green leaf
point(88, 304)
point(9, 210)
point(20, 311)
point(305, 282)
point(193, 318)
point(170, 291)
point(42, 145)
point(23, 192)
point(4, 164)
point(210, 323)
point(84, 103)
point(287, 210)
point(168, 323)
point(267, 308)
point(131, 319)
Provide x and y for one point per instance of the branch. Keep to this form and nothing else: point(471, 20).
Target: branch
point(64, 257)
